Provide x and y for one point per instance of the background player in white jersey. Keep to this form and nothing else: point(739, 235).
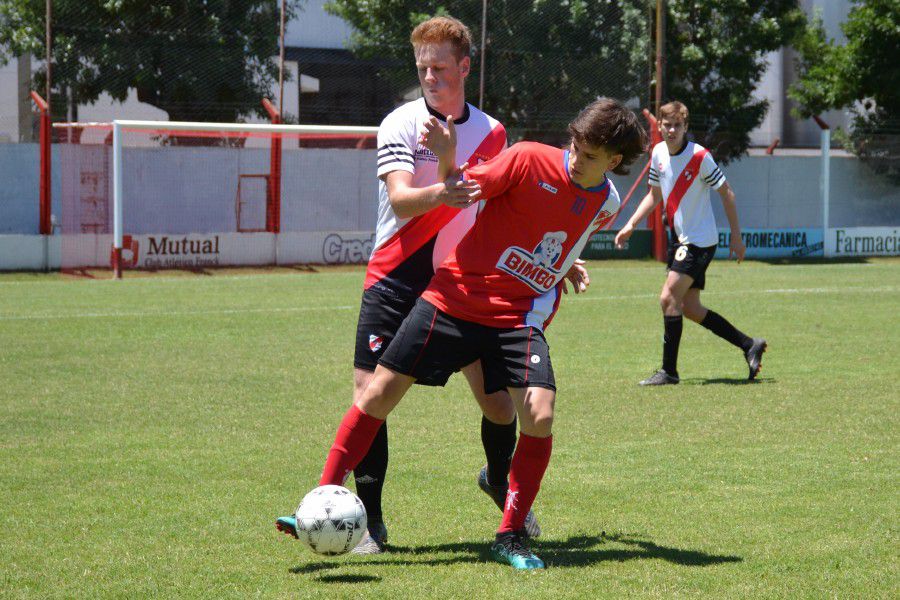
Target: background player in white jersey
point(681, 174)
point(420, 220)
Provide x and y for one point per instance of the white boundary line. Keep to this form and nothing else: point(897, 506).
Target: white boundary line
point(174, 313)
point(340, 307)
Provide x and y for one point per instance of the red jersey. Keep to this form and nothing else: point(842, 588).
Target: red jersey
point(535, 223)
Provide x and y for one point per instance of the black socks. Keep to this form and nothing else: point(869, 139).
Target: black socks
point(671, 339)
point(499, 444)
point(720, 326)
point(369, 475)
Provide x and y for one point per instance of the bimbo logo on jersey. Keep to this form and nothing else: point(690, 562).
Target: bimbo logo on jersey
point(535, 269)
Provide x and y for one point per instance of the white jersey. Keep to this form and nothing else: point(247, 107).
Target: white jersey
point(399, 258)
point(693, 222)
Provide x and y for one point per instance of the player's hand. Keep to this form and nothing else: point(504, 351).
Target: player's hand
point(737, 248)
point(578, 276)
point(623, 235)
point(459, 192)
point(439, 139)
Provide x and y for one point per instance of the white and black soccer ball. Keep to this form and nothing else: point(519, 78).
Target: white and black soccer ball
point(331, 520)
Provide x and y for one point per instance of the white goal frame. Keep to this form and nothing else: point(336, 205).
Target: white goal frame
point(118, 126)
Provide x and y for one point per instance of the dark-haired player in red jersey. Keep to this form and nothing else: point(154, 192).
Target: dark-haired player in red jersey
point(494, 294)
point(420, 219)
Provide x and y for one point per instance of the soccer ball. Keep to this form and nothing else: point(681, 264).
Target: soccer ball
point(331, 520)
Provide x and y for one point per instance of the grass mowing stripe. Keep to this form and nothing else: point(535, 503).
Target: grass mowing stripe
point(587, 297)
point(180, 313)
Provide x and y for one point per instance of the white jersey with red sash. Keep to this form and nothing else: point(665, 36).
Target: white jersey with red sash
point(407, 251)
point(685, 180)
point(506, 272)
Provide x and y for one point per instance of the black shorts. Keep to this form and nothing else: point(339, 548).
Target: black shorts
point(431, 341)
point(380, 316)
point(691, 260)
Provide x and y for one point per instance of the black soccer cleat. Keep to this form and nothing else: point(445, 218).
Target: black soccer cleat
point(660, 378)
point(374, 541)
point(754, 357)
point(496, 492)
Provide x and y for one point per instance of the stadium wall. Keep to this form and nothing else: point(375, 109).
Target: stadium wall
point(778, 198)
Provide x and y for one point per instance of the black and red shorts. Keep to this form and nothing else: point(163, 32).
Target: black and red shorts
point(691, 260)
point(381, 313)
point(431, 341)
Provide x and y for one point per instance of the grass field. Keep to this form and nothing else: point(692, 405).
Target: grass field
point(151, 429)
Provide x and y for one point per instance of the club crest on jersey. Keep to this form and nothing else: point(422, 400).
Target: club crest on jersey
point(688, 175)
point(375, 342)
point(601, 219)
point(535, 269)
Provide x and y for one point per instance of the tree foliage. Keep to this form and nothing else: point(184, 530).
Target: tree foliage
point(545, 59)
point(198, 60)
point(861, 75)
point(715, 58)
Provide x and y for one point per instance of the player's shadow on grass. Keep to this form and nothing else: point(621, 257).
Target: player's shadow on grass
point(586, 550)
point(577, 551)
point(727, 381)
point(347, 578)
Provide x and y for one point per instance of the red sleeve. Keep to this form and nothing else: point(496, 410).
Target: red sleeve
point(501, 172)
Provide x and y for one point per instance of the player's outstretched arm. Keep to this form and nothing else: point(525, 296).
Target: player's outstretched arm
point(653, 197)
point(736, 247)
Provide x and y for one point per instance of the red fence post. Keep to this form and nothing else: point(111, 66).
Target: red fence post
point(654, 220)
point(44, 227)
point(273, 206)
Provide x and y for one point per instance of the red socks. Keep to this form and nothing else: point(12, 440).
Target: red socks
point(525, 474)
point(352, 441)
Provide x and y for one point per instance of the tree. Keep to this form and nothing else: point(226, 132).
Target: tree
point(545, 59)
point(861, 75)
point(198, 60)
point(715, 59)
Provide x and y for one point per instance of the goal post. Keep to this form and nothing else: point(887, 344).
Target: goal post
point(167, 194)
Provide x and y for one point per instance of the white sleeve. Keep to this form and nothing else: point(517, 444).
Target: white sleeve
point(711, 173)
point(653, 177)
point(396, 144)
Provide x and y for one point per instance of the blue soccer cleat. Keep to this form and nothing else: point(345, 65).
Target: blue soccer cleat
point(287, 525)
point(510, 547)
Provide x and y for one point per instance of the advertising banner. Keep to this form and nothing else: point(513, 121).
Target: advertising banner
point(862, 241)
point(601, 245)
point(775, 243)
point(324, 247)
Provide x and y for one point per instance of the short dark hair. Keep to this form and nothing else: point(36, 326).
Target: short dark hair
point(606, 122)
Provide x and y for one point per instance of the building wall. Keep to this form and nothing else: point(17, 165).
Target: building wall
point(314, 28)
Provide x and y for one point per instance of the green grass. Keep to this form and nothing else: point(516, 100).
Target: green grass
point(151, 429)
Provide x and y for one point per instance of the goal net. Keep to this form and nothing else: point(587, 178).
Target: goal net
point(156, 195)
